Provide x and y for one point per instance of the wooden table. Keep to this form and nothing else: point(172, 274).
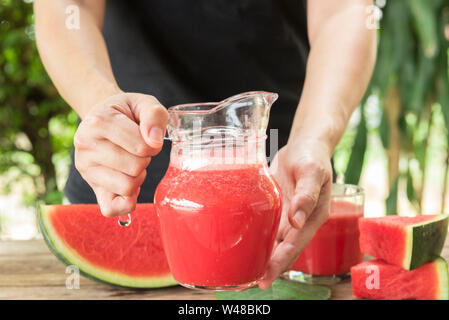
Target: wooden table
point(28, 270)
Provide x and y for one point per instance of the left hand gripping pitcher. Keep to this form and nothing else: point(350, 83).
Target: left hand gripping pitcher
point(218, 206)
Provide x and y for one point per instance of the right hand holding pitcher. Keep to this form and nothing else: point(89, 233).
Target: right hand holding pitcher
point(303, 171)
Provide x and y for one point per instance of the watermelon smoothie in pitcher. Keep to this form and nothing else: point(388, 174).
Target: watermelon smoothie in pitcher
point(218, 206)
point(335, 247)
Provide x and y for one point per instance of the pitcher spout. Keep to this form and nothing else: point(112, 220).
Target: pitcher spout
point(269, 98)
point(244, 115)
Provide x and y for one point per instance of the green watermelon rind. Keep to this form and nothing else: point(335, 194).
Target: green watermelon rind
point(70, 257)
point(424, 241)
point(443, 278)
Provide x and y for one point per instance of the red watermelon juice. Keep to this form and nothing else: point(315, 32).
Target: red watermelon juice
point(335, 247)
point(218, 224)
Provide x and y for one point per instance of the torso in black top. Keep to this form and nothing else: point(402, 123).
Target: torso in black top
point(204, 50)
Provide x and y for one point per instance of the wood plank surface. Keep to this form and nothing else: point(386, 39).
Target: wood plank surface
point(28, 270)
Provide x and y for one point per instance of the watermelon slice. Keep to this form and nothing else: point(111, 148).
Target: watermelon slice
point(407, 242)
point(130, 256)
point(381, 281)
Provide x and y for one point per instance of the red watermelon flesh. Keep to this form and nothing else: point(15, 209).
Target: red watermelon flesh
point(130, 256)
point(408, 242)
point(381, 281)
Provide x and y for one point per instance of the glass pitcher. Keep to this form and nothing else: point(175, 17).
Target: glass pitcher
point(218, 206)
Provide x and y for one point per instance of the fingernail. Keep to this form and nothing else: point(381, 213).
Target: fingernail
point(300, 219)
point(264, 285)
point(156, 136)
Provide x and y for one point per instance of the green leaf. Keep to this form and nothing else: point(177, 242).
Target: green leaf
point(421, 86)
point(424, 21)
point(385, 63)
point(384, 130)
point(355, 163)
point(399, 20)
point(280, 290)
point(407, 133)
point(442, 82)
point(392, 200)
point(54, 197)
point(404, 51)
point(411, 195)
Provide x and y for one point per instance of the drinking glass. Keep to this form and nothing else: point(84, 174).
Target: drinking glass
point(334, 249)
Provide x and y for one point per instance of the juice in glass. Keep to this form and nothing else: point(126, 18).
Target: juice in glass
point(335, 247)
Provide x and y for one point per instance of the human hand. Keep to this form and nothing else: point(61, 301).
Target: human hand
point(303, 171)
point(114, 144)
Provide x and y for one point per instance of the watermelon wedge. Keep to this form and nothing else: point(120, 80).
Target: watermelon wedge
point(407, 242)
point(381, 281)
point(130, 256)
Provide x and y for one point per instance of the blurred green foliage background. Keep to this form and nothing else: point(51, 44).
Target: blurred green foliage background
point(410, 83)
point(409, 94)
point(37, 126)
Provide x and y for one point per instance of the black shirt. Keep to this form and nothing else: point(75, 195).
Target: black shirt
point(204, 50)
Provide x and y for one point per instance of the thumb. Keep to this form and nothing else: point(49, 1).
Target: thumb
point(307, 193)
point(152, 117)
